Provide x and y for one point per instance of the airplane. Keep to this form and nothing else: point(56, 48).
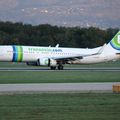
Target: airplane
point(56, 57)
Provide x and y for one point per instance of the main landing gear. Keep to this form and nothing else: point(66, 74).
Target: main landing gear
point(53, 67)
point(60, 67)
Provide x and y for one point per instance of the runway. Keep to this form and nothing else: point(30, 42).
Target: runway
point(60, 87)
point(57, 88)
point(65, 69)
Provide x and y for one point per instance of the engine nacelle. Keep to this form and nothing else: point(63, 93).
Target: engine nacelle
point(52, 62)
point(46, 62)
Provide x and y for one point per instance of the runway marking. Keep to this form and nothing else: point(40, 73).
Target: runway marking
point(66, 69)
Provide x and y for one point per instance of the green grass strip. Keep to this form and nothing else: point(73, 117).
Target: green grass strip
point(58, 77)
point(60, 107)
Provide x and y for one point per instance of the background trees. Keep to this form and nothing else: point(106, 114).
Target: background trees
point(45, 35)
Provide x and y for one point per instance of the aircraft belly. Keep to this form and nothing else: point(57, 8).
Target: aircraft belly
point(32, 57)
point(6, 57)
point(29, 58)
point(98, 59)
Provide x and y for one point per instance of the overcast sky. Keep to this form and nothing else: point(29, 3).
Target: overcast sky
point(84, 13)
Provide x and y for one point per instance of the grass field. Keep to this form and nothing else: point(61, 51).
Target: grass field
point(89, 106)
point(60, 107)
point(58, 77)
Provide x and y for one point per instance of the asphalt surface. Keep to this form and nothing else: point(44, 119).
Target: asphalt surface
point(57, 87)
point(65, 69)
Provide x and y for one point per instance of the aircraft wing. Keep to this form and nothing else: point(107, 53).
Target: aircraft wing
point(68, 58)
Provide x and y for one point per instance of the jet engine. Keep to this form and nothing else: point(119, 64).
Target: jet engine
point(46, 62)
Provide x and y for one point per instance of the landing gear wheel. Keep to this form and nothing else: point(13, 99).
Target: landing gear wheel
point(53, 67)
point(60, 67)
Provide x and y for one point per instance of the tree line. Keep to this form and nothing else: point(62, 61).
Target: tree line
point(45, 35)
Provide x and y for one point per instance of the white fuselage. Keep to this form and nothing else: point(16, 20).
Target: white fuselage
point(32, 54)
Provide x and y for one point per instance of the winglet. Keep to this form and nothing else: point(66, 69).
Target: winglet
point(101, 49)
point(57, 46)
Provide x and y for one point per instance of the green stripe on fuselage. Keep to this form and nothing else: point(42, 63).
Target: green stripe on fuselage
point(17, 54)
point(20, 53)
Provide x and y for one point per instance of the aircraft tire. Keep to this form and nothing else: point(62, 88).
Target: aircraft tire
point(53, 67)
point(60, 67)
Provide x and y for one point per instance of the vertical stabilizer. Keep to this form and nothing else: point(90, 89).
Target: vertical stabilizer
point(115, 42)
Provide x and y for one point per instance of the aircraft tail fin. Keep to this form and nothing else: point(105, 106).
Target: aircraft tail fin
point(115, 42)
point(113, 46)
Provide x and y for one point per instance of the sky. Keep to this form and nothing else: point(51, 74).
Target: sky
point(83, 13)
